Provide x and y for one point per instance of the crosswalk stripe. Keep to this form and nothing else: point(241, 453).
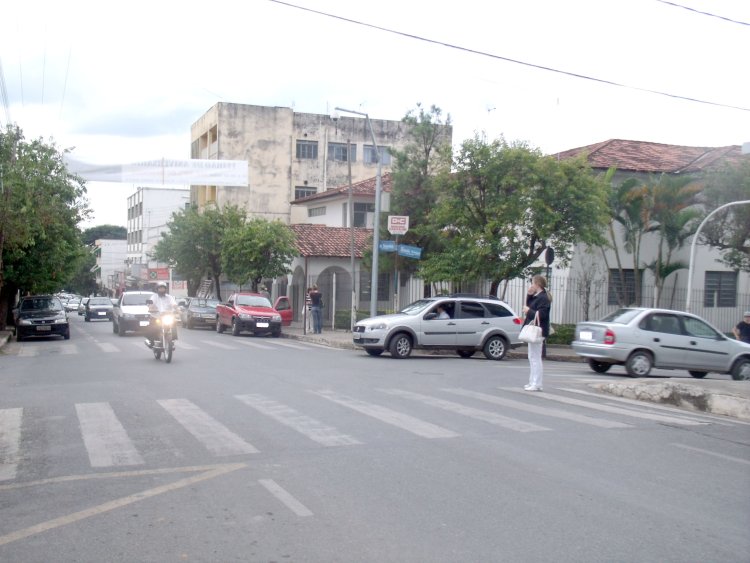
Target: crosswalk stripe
point(546, 411)
point(107, 347)
point(216, 437)
point(310, 427)
point(255, 345)
point(182, 345)
point(10, 439)
point(610, 409)
point(105, 438)
point(285, 497)
point(394, 418)
point(68, 349)
point(219, 345)
point(471, 412)
point(290, 345)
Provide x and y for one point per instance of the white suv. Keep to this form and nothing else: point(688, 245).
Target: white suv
point(131, 312)
point(474, 324)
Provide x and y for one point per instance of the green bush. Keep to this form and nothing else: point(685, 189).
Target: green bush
point(564, 334)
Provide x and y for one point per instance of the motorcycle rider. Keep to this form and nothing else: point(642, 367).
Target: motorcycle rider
point(162, 302)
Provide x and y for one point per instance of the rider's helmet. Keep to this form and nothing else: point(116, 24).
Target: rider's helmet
point(161, 285)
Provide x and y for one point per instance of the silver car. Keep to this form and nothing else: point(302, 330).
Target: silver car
point(472, 324)
point(642, 339)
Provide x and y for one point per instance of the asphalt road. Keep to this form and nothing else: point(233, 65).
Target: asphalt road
point(262, 449)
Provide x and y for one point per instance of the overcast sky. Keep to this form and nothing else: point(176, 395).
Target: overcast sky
point(122, 82)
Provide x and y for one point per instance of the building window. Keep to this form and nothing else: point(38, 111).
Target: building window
point(369, 155)
point(720, 289)
point(307, 149)
point(360, 213)
point(337, 152)
point(316, 211)
point(617, 294)
point(304, 191)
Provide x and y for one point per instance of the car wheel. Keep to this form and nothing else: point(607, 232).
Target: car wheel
point(495, 348)
point(276, 333)
point(114, 326)
point(66, 336)
point(639, 364)
point(219, 326)
point(599, 367)
point(374, 351)
point(465, 353)
point(121, 329)
point(19, 338)
point(87, 318)
point(698, 374)
point(400, 346)
point(741, 370)
point(236, 328)
point(190, 325)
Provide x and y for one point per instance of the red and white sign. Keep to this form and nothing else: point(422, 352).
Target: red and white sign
point(398, 224)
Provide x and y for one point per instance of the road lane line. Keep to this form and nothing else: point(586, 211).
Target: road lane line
point(609, 409)
point(471, 412)
point(287, 499)
point(117, 503)
point(10, 440)
point(216, 437)
point(384, 414)
point(305, 425)
point(545, 411)
point(707, 452)
point(219, 345)
point(104, 437)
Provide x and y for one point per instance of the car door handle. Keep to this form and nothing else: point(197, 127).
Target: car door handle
point(451, 323)
point(693, 342)
point(657, 339)
point(485, 322)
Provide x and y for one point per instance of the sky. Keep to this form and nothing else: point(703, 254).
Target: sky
point(119, 82)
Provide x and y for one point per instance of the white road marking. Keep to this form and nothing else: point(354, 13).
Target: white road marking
point(714, 454)
point(609, 409)
point(287, 499)
point(28, 351)
point(10, 439)
point(182, 345)
point(310, 427)
point(384, 414)
point(219, 345)
point(289, 345)
point(255, 345)
point(216, 437)
point(546, 411)
point(471, 412)
point(107, 347)
point(104, 437)
point(67, 349)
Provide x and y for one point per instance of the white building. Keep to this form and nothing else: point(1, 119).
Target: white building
point(110, 263)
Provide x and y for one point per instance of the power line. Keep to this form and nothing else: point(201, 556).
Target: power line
point(702, 13)
point(4, 94)
point(65, 83)
point(515, 61)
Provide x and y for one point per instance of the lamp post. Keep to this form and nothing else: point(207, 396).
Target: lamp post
point(376, 226)
point(692, 249)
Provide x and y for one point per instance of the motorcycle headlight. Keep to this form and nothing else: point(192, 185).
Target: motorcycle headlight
point(167, 320)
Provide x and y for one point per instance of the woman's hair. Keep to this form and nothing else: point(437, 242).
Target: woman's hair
point(541, 281)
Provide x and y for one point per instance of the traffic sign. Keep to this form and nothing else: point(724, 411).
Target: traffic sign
point(409, 251)
point(398, 224)
point(387, 246)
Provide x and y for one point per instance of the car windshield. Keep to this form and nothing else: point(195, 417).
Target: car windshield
point(417, 307)
point(99, 301)
point(253, 301)
point(621, 316)
point(41, 304)
point(136, 298)
point(202, 303)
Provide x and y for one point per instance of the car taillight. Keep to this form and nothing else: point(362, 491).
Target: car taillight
point(609, 337)
point(517, 321)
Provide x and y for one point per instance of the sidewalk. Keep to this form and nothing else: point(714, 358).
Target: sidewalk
point(715, 396)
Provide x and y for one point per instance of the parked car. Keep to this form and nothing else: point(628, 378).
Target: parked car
point(643, 338)
point(71, 305)
point(131, 312)
point(41, 315)
point(82, 306)
point(98, 308)
point(199, 312)
point(248, 312)
point(474, 323)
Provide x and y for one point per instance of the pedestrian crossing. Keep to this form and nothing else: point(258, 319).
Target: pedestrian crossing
point(109, 444)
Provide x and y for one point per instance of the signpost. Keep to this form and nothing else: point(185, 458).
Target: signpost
point(398, 224)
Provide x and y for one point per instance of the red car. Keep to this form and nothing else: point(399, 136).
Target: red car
point(252, 312)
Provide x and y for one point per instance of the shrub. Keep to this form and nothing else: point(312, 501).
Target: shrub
point(564, 334)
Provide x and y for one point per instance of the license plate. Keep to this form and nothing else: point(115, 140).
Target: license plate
point(586, 335)
point(143, 323)
point(102, 313)
point(43, 328)
point(262, 325)
point(357, 336)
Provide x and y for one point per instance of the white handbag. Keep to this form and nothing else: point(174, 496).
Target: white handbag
point(531, 333)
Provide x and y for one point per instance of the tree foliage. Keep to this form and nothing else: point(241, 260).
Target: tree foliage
point(505, 204)
point(111, 232)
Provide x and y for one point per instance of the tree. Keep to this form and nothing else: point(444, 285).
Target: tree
point(729, 230)
point(256, 250)
point(112, 232)
point(505, 204)
point(41, 204)
point(193, 243)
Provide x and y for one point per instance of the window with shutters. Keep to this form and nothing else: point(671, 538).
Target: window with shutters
point(720, 289)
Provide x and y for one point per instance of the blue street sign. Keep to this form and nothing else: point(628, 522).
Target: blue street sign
point(387, 246)
point(409, 251)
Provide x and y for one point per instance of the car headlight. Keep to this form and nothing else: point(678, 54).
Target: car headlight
point(276, 318)
point(378, 326)
point(24, 321)
point(128, 316)
point(246, 316)
point(61, 320)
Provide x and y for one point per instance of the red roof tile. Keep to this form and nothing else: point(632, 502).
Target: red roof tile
point(319, 240)
point(641, 156)
point(365, 187)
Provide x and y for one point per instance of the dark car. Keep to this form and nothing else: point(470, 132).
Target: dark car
point(199, 312)
point(41, 315)
point(98, 308)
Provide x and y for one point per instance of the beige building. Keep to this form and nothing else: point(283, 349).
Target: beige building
point(290, 155)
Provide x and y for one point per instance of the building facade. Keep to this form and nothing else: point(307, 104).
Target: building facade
point(111, 255)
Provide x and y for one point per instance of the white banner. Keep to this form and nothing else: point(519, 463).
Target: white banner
point(165, 171)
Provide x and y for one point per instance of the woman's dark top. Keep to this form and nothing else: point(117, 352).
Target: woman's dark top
point(316, 298)
point(539, 302)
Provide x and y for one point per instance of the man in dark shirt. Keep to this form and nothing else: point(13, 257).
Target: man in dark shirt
point(316, 305)
point(742, 330)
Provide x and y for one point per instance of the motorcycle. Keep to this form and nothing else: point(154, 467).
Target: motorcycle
point(165, 345)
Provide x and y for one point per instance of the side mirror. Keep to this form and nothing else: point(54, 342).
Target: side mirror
point(149, 302)
point(430, 316)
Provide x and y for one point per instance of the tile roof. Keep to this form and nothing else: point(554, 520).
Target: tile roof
point(641, 156)
point(365, 187)
point(319, 240)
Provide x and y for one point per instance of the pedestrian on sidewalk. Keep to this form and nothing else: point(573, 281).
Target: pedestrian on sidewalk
point(308, 309)
point(316, 304)
point(537, 307)
point(742, 330)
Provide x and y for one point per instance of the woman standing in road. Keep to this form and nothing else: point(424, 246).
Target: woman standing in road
point(537, 311)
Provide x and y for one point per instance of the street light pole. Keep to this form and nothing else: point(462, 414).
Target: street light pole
point(692, 248)
point(376, 226)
